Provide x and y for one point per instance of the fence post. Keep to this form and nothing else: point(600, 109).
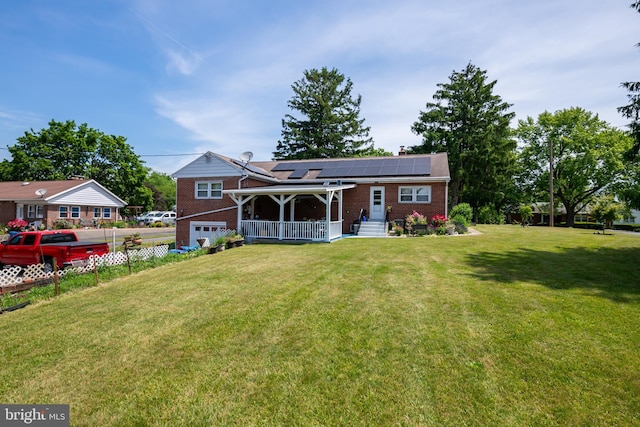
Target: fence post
point(95, 269)
point(126, 251)
point(55, 276)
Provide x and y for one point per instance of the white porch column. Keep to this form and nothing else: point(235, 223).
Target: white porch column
point(292, 210)
point(281, 201)
point(281, 219)
point(241, 201)
point(327, 227)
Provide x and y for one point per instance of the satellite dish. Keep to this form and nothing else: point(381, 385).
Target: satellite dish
point(41, 192)
point(246, 156)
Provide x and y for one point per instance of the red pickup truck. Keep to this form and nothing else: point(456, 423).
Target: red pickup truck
point(41, 247)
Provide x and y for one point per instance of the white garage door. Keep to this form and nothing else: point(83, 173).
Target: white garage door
point(202, 229)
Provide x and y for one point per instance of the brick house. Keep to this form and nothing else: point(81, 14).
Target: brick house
point(314, 200)
point(80, 202)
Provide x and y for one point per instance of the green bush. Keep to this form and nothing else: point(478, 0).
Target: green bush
point(61, 224)
point(464, 211)
point(488, 215)
point(526, 213)
point(627, 227)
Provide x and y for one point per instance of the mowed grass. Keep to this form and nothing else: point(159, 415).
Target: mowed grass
point(511, 327)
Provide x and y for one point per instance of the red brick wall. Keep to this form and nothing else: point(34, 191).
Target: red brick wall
point(358, 198)
point(51, 214)
point(187, 204)
point(7, 212)
point(266, 208)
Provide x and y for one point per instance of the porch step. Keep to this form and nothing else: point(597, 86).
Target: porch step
point(373, 229)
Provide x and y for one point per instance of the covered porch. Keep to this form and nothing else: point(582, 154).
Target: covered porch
point(289, 225)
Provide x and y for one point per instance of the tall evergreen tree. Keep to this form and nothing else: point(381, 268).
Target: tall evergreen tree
point(471, 124)
point(632, 110)
point(330, 125)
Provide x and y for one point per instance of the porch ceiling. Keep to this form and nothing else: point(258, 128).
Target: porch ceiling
point(289, 189)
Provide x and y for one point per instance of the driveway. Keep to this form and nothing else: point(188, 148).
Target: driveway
point(151, 234)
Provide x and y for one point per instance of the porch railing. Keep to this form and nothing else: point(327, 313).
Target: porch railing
point(292, 230)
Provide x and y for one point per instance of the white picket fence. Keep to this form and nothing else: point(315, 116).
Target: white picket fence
point(14, 275)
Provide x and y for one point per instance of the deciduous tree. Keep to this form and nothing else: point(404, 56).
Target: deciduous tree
point(329, 125)
point(471, 124)
point(605, 209)
point(588, 156)
point(163, 188)
point(64, 150)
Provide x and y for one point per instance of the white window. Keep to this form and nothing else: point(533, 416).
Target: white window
point(414, 194)
point(208, 190)
point(106, 213)
point(39, 211)
point(75, 211)
point(97, 212)
point(63, 212)
point(31, 211)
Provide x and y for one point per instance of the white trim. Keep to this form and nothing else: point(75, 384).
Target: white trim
point(206, 213)
point(414, 194)
point(209, 190)
point(289, 189)
point(379, 214)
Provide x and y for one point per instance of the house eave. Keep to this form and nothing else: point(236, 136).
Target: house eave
point(289, 189)
point(379, 180)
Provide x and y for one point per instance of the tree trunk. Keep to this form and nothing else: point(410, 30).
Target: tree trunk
point(571, 215)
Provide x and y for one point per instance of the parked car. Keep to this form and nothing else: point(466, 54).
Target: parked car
point(166, 218)
point(42, 247)
point(144, 216)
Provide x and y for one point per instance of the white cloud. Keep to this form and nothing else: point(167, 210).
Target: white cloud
point(545, 55)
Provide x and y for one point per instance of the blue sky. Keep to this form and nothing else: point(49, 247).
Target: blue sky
point(196, 75)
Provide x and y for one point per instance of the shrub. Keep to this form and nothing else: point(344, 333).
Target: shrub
point(438, 221)
point(460, 228)
point(17, 225)
point(488, 215)
point(415, 218)
point(464, 211)
point(627, 227)
point(61, 224)
point(460, 223)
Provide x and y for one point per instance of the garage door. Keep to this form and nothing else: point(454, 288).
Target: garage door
point(202, 229)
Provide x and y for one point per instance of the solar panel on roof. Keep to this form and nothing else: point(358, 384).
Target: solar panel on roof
point(298, 173)
point(372, 170)
point(361, 167)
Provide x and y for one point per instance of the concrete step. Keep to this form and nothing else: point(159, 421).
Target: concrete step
point(372, 229)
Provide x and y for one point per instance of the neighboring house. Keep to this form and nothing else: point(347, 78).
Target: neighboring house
point(315, 200)
point(632, 218)
point(77, 201)
point(541, 214)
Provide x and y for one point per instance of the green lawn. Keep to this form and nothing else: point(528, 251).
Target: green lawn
point(516, 326)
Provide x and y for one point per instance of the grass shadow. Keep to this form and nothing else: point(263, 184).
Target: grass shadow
point(612, 273)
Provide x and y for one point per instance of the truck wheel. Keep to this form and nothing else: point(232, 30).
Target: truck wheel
point(48, 265)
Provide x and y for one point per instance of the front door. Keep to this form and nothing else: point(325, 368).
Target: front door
point(376, 204)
